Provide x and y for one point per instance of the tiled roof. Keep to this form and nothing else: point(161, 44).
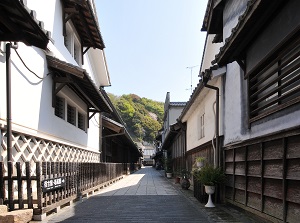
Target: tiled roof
point(249, 24)
point(19, 23)
point(178, 104)
point(205, 76)
point(81, 82)
point(86, 23)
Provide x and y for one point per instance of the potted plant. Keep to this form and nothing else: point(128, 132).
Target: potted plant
point(210, 176)
point(200, 161)
point(185, 182)
point(177, 176)
point(168, 167)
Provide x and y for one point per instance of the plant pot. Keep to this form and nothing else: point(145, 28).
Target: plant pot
point(185, 183)
point(209, 190)
point(169, 175)
point(200, 164)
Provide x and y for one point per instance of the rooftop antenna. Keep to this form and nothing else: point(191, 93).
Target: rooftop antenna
point(191, 68)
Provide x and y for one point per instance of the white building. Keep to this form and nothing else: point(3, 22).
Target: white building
point(56, 92)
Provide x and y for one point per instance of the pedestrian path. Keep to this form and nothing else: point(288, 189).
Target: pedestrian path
point(145, 196)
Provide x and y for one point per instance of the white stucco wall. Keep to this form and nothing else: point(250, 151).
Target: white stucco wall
point(32, 110)
point(210, 51)
point(204, 104)
point(236, 110)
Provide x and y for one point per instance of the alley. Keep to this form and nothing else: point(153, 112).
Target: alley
point(145, 196)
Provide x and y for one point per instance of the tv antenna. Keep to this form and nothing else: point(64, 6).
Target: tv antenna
point(191, 68)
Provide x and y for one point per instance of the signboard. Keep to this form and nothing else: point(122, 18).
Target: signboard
point(54, 183)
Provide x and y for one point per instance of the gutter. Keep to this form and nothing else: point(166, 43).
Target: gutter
point(217, 152)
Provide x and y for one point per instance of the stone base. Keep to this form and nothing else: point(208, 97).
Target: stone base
point(18, 216)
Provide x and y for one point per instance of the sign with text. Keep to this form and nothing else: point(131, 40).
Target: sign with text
point(52, 184)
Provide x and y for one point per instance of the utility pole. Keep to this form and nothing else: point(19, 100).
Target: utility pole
point(191, 68)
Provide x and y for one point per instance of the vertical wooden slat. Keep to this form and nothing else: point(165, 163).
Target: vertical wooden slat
point(29, 187)
point(43, 177)
point(246, 175)
point(10, 186)
point(262, 176)
point(233, 174)
point(284, 181)
point(2, 187)
point(49, 175)
point(20, 188)
point(39, 185)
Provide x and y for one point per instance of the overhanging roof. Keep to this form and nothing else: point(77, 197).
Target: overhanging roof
point(174, 130)
point(18, 23)
point(249, 25)
point(83, 17)
point(112, 125)
point(80, 82)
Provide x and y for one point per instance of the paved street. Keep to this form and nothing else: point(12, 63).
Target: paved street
point(146, 196)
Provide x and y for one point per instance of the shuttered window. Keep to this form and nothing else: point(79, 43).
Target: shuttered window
point(81, 121)
point(60, 107)
point(276, 85)
point(71, 114)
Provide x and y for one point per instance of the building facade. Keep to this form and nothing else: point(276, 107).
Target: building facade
point(260, 50)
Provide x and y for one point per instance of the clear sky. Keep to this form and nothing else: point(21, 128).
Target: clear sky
point(150, 44)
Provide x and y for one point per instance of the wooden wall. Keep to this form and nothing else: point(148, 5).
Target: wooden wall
point(264, 176)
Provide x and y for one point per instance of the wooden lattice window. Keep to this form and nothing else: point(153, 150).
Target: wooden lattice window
point(276, 84)
point(81, 121)
point(71, 114)
point(60, 107)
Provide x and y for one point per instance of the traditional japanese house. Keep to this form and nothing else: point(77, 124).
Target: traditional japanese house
point(260, 50)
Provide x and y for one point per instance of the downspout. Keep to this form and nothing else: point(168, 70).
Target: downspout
point(217, 121)
point(8, 123)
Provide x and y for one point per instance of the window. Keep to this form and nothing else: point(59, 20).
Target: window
point(60, 107)
point(276, 84)
point(200, 126)
point(81, 121)
point(72, 43)
point(71, 114)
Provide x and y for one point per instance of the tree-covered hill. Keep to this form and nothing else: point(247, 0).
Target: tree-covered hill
point(143, 117)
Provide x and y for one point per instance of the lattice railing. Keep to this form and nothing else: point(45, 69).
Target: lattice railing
point(34, 149)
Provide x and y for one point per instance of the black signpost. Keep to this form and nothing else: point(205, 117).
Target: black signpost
point(52, 184)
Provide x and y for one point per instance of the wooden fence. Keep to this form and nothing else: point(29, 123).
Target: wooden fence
point(263, 176)
point(55, 184)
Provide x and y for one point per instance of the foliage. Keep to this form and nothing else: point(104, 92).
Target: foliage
point(209, 175)
point(143, 117)
point(199, 159)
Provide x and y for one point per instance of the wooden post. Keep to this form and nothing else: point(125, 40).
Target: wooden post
point(20, 188)
point(10, 186)
point(39, 185)
point(29, 189)
point(2, 187)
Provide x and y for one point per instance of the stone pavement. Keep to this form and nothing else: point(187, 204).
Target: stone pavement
point(146, 196)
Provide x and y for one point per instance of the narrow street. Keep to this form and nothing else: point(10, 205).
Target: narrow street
point(145, 196)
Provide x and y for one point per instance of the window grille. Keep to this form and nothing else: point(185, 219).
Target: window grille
point(71, 114)
point(81, 121)
point(276, 85)
point(60, 107)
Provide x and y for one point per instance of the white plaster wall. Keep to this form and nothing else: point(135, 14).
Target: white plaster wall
point(32, 110)
point(236, 111)
point(210, 51)
point(204, 103)
point(174, 113)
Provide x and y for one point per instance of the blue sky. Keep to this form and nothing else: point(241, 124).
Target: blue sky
point(150, 44)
